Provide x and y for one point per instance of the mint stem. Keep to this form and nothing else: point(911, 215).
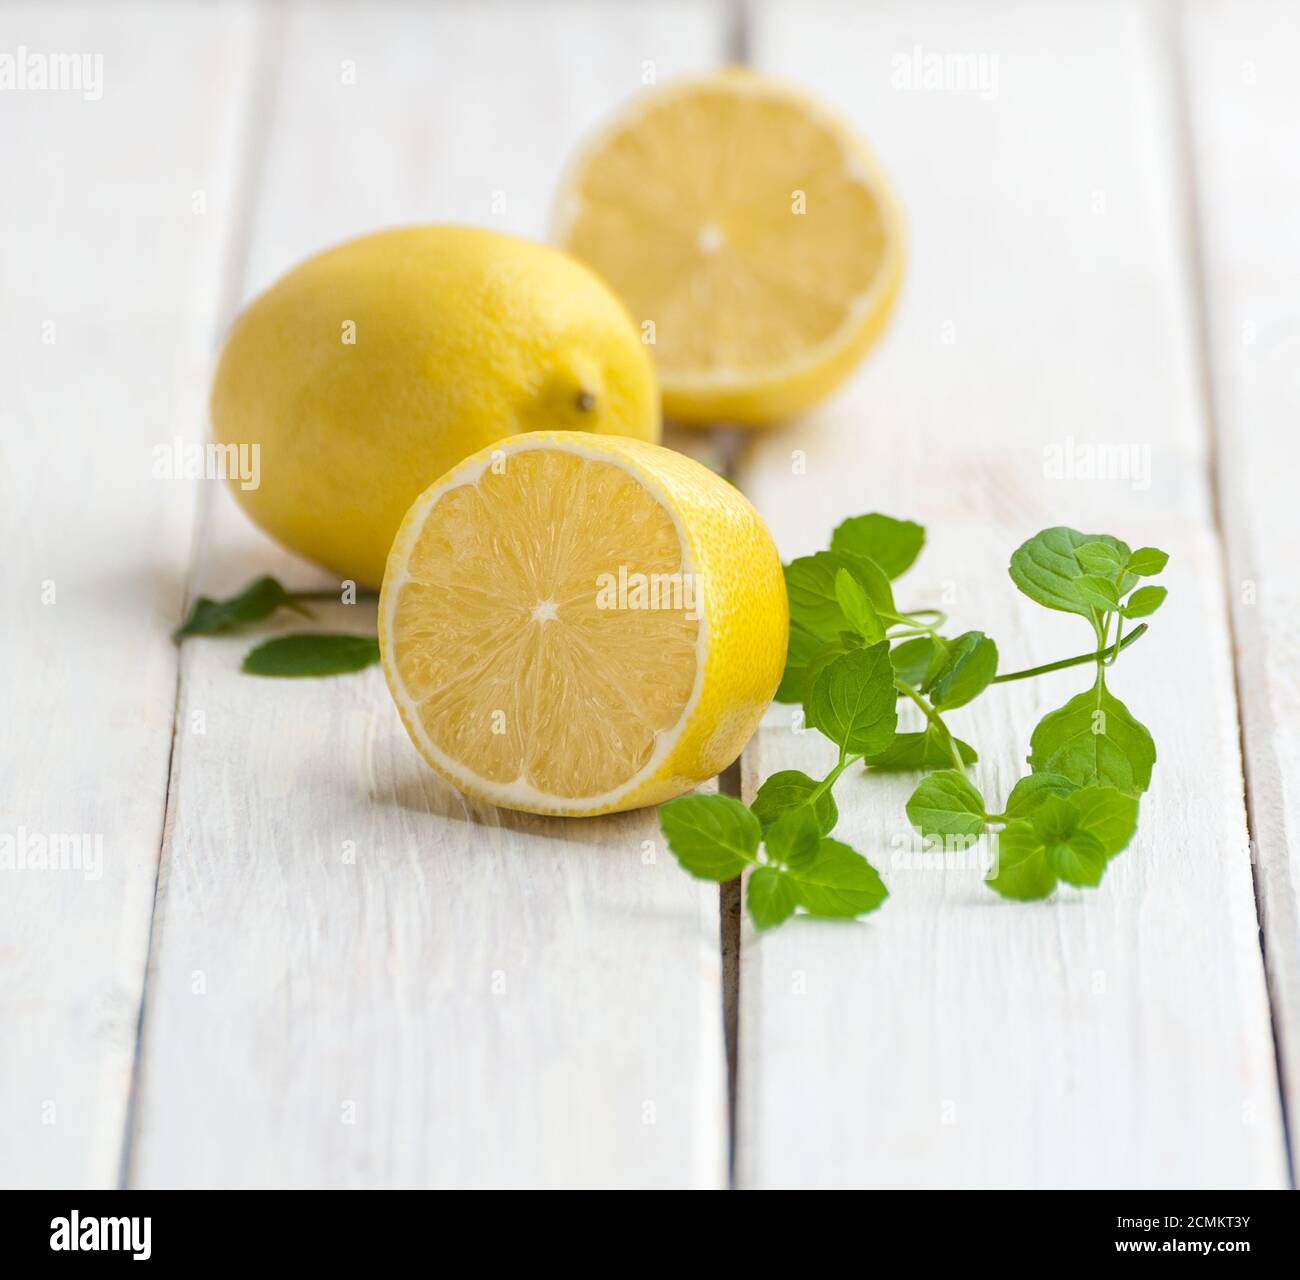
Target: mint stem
point(1076, 661)
point(935, 719)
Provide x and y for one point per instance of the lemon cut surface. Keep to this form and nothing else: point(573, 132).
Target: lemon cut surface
point(573, 624)
point(755, 231)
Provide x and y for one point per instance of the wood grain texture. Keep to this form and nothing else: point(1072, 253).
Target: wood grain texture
point(110, 281)
point(359, 979)
point(1119, 1037)
point(1243, 101)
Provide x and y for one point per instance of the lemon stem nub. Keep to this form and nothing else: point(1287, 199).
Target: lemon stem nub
point(586, 401)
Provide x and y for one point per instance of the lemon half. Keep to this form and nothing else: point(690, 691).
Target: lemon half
point(753, 229)
point(577, 624)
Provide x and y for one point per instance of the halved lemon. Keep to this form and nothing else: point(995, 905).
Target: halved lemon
point(578, 624)
point(751, 234)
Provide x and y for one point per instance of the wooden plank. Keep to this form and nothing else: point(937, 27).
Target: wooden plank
point(1119, 1037)
point(1243, 101)
point(359, 979)
point(110, 280)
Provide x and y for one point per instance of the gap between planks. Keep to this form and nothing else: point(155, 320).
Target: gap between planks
point(1172, 17)
point(263, 51)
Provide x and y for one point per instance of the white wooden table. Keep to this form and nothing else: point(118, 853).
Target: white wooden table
point(306, 962)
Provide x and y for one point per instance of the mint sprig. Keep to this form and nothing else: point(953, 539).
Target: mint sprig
point(304, 653)
point(854, 653)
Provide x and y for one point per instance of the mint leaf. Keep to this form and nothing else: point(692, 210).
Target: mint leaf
point(1101, 558)
point(839, 882)
point(852, 700)
point(1021, 871)
point(1144, 601)
point(1046, 568)
point(1108, 814)
point(793, 838)
point(312, 653)
point(1094, 739)
point(946, 804)
point(1101, 593)
point(261, 598)
point(801, 651)
point(1031, 791)
point(713, 837)
point(770, 897)
point(1073, 852)
point(814, 605)
point(1146, 562)
point(969, 670)
point(892, 544)
point(788, 790)
point(925, 750)
point(857, 607)
point(917, 661)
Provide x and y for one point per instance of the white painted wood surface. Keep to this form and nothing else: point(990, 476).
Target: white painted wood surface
point(109, 285)
point(1244, 101)
point(359, 979)
point(1118, 1038)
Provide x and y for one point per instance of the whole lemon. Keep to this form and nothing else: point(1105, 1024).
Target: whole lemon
point(373, 368)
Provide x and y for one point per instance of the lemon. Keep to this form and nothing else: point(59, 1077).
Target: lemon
point(374, 367)
point(752, 228)
point(577, 624)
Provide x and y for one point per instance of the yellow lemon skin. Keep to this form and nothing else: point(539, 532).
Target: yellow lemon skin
point(374, 367)
point(736, 667)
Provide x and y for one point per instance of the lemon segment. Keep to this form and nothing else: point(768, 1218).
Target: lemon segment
point(752, 228)
point(573, 624)
point(374, 367)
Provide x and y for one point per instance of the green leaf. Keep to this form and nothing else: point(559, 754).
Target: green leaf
point(1073, 852)
point(802, 650)
point(1094, 739)
point(1047, 567)
point(947, 804)
point(713, 837)
point(814, 604)
point(916, 661)
point(1146, 562)
point(793, 838)
point(1022, 871)
point(925, 750)
point(969, 670)
point(839, 882)
point(857, 608)
point(1101, 558)
point(261, 598)
point(1144, 602)
point(788, 790)
point(770, 897)
point(852, 700)
point(1098, 592)
point(312, 653)
point(1108, 814)
point(1031, 791)
point(892, 544)
point(1079, 860)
